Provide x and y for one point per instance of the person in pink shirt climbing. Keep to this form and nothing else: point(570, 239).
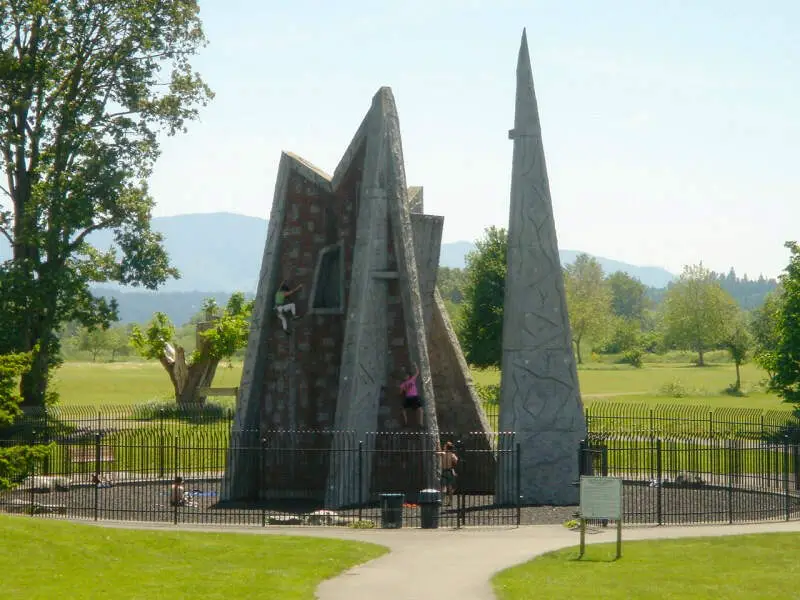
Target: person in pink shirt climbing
point(411, 400)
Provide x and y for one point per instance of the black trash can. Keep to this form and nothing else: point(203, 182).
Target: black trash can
point(430, 502)
point(392, 511)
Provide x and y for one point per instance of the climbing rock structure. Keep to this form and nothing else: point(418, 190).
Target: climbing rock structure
point(367, 257)
point(539, 396)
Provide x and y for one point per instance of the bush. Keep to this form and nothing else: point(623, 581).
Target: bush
point(207, 413)
point(633, 358)
point(489, 394)
point(674, 389)
point(17, 462)
point(363, 524)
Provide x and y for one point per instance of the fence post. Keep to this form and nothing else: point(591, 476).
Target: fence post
point(729, 445)
point(97, 457)
point(711, 423)
point(796, 464)
point(175, 507)
point(518, 467)
point(652, 424)
point(161, 441)
point(786, 498)
point(582, 447)
point(360, 478)
point(659, 482)
point(262, 465)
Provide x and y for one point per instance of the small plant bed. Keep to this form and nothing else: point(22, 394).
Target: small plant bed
point(731, 567)
point(51, 559)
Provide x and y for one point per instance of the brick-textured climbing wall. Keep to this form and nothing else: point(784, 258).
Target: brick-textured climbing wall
point(301, 384)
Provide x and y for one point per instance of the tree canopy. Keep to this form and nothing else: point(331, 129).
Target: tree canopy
point(85, 89)
point(588, 301)
point(766, 334)
point(785, 379)
point(697, 312)
point(481, 326)
point(628, 296)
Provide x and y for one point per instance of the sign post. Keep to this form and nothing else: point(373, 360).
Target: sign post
point(601, 498)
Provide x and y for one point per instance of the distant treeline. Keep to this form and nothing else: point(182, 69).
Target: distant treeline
point(180, 307)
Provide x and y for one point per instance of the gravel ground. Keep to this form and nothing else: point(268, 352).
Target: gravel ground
point(149, 501)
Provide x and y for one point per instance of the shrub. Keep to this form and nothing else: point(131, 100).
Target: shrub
point(489, 394)
point(17, 462)
point(207, 413)
point(632, 357)
point(674, 389)
point(363, 524)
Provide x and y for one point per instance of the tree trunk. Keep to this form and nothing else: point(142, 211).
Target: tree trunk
point(738, 378)
point(578, 351)
point(187, 379)
point(700, 360)
point(33, 384)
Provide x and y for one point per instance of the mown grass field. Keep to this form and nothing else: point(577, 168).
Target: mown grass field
point(54, 559)
point(748, 567)
point(95, 384)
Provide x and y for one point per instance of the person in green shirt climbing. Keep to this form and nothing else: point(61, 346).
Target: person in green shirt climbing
point(282, 306)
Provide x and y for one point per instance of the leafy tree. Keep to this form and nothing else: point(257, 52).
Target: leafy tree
point(85, 88)
point(626, 335)
point(588, 301)
point(450, 282)
point(220, 336)
point(481, 324)
point(93, 340)
point(15, 461)
point(764, 327)
point(785, 380)
point(628, 296)
point(697, 312)
point(117, 342)
point(739, 343)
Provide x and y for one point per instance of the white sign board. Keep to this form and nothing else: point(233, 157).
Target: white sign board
point(601, 498)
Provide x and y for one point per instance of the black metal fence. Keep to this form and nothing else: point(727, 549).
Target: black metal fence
point(670, 419)
point(680, 480)
point(692, 420)
point(281, 478)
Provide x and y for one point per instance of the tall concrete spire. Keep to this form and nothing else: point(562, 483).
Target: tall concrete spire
point(539, 398)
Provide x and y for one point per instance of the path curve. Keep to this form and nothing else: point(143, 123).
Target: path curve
point(455, 564)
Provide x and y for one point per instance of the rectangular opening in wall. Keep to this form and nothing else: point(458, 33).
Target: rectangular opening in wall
point(327, 292)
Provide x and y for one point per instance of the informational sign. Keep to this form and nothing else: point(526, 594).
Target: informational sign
point(601, 498)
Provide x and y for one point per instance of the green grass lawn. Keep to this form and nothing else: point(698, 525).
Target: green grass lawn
point(54, 559)
point(741, 567)
point(95, 384)
point(106, 384)
point(602, 382)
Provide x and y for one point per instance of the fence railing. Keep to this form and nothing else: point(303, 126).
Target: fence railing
point(705, 480)
point(601, 418)
point(280, 478)
point(692, 420)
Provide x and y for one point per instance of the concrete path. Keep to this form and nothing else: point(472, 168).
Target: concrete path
point(447, 564)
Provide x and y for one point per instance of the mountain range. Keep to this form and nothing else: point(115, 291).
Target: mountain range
point(218, 253)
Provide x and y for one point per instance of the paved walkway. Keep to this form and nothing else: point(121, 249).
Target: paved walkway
point(447, 564)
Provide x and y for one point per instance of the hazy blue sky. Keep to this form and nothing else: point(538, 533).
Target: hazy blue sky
point(671, 127)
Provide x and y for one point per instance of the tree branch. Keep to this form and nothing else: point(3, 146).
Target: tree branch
point(7, 235)
point(82, 235)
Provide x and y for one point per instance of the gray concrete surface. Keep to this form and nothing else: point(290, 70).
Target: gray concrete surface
point(539, 394)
